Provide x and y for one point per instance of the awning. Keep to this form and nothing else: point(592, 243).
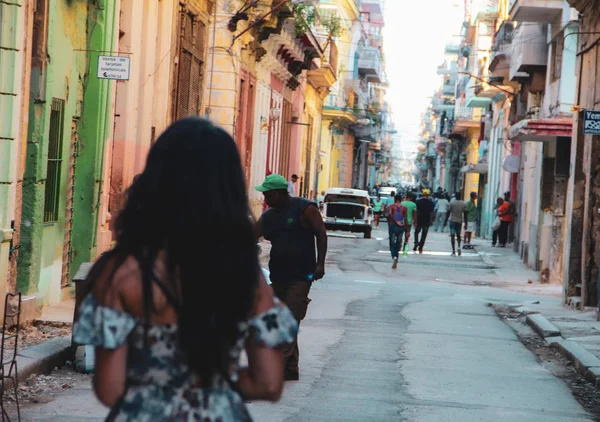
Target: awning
point(540, 130)
point(480, 168)
point(478, 102)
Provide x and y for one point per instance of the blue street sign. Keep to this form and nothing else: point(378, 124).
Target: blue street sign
point(591, 122)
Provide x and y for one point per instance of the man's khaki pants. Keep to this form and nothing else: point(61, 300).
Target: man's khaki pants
point(295, 295)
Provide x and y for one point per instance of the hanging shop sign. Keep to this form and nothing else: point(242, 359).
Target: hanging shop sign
point(113, 67)
point(591, 122)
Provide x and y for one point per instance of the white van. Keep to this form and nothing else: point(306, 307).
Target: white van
point(348, 210)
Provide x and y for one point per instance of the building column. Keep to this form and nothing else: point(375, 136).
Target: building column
point(574, 214)
point(223, 69)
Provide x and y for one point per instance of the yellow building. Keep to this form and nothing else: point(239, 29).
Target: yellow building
point(337, 142)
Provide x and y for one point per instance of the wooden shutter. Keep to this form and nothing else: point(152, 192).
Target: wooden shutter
point(191, 66)
point(183, 94)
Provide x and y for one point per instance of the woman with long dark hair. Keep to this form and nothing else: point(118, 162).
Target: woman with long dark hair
point(174, 304)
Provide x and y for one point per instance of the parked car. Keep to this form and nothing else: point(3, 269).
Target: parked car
point(348, 210)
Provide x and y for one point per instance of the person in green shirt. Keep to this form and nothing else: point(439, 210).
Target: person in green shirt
point(471, 221)
point(377, 210)
point(411, 212)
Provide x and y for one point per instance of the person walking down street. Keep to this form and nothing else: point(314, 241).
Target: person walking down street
point(168, 320)
point(397, 227)
point(506, 218)
point(471, 221)
point(411, 213)
point(292, 225)
point(496, 227)
point(291, 185)
point(441, 212)
point(456, 215)
point(377, 210)
point(425, 215)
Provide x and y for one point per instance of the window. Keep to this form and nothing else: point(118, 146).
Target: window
point(558, 46)
point(55, 156)
point(547, 182)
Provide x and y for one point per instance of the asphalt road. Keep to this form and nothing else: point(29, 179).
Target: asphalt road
point(419, 343)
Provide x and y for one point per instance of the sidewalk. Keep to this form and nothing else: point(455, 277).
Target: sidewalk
point(511, 271)
point(575, 333)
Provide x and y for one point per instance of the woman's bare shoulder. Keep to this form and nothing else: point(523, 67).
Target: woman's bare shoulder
point(118, 277)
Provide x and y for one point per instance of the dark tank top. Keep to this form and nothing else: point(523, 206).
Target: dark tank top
point(293, 250)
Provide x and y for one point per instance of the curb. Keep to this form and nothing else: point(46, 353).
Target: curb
point(584, 362)
point(42, 358)
point(542, 326)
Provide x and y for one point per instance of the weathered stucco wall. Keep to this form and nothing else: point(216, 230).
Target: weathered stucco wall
point(64, 32)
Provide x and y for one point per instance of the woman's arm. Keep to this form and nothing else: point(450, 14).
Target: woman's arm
point(263, 379)
point(109, 376)
point(111, 364)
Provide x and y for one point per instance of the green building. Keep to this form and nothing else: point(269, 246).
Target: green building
point(70, 120)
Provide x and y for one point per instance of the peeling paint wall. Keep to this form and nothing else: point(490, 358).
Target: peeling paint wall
point(63, 67)
point(15, 46)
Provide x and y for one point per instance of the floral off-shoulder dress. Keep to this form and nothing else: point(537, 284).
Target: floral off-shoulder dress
point(160, 385)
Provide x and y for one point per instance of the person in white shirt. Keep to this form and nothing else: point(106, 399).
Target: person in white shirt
point(291, 185)
point(441, 211)
point(321, 198)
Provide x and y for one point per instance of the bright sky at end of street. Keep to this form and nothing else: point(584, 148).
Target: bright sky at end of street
point(414, 48)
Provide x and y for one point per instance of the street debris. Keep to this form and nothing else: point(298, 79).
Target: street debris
point(40, 331)
point(43, 388)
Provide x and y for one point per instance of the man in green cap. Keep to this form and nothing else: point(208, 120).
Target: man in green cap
point(292, 225)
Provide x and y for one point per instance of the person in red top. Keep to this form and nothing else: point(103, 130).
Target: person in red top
point(506, 218)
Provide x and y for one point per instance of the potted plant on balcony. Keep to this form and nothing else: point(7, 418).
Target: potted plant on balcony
point(304, 18)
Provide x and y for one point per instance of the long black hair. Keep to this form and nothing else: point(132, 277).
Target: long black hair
point(190, 202)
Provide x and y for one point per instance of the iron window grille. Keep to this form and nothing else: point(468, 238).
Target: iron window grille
point(55, 157)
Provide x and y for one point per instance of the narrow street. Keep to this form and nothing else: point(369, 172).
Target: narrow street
point(417, 344)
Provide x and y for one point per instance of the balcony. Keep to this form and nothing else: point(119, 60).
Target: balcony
point(449, 90)
point(452, 49)
point(439, 106)
point(542, 11)
point(326, 75)
point(447, 68)
point(360, 89)
point(501, 51)
point(527, 56)
point(466, 118)
point(370, 64)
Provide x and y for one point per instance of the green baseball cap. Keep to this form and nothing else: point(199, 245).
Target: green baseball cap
point(273, 182)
